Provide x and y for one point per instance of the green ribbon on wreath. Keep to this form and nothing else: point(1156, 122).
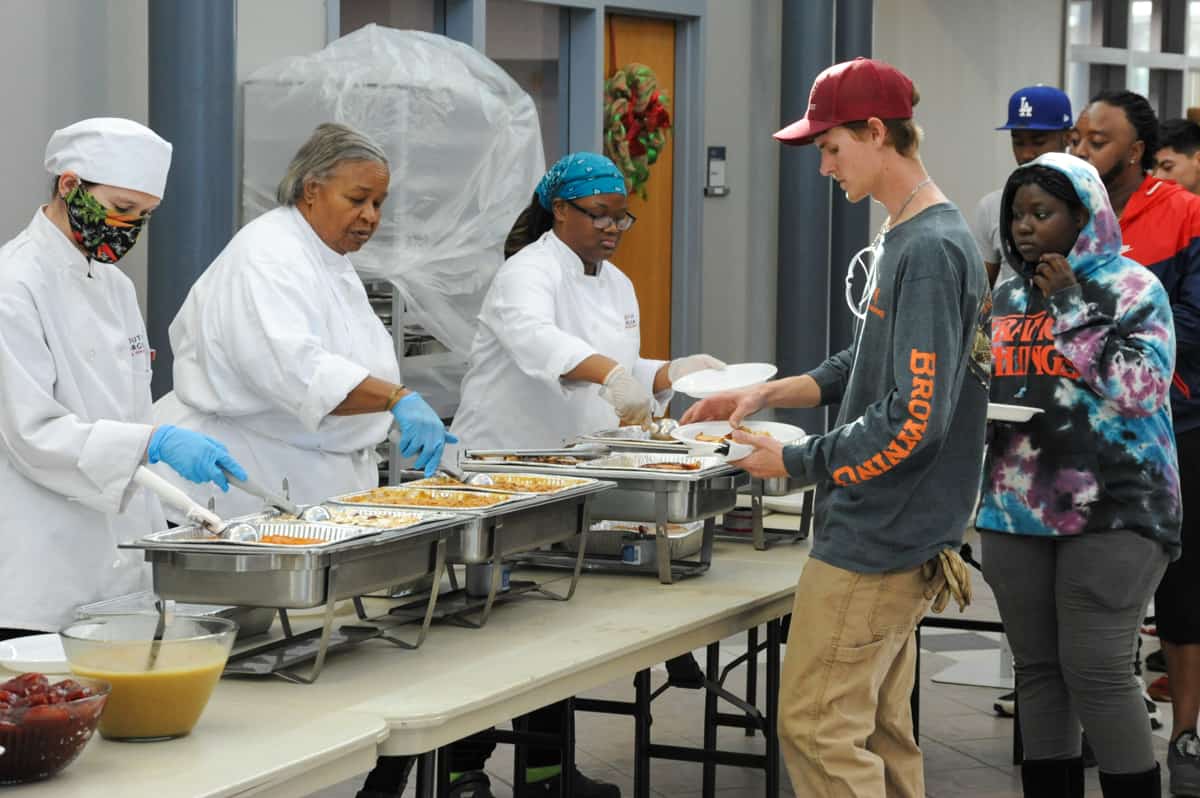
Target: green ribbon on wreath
point(636, 121)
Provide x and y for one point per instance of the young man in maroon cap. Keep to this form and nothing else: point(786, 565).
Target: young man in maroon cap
point(895, 476)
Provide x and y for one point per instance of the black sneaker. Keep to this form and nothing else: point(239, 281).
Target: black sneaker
point(1183, 760)
point(472, 784)
point(582, 786)
point(684, 671)
point(1006, 705)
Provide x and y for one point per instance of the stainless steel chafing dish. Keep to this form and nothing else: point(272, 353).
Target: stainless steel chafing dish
point(641, 494)
point(524, 522)
point(351, 563)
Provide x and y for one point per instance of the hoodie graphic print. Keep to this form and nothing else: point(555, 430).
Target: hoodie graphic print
point(1097, 358)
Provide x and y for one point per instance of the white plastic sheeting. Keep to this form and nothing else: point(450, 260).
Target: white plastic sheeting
point(465, 152)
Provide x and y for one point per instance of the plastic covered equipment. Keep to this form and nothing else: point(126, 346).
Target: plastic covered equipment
point(465, 151)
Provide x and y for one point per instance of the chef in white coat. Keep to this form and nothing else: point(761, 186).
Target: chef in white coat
point(75, 407)
point(558, 349)
point(557, 354)
point(277, 350)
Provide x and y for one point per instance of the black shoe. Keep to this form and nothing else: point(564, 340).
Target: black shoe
point(1156, 662)
point(472, 784)
point(1052, 778)
point(1006, 705)
point(581, 785)
point(685, 672)
point(1147, 784)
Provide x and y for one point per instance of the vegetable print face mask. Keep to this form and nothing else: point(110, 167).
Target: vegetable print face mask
point(103, 233)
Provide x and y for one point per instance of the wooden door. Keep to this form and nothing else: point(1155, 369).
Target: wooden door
point(645, 251)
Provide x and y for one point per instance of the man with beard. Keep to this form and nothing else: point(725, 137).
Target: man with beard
point(1039, 121)
point(1160, 224)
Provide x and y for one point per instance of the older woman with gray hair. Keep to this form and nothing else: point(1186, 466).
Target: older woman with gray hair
point(277, 350)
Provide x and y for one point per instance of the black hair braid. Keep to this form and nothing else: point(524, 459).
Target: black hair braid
point(1140, 115)
point(1052, 181)
point(533, 222)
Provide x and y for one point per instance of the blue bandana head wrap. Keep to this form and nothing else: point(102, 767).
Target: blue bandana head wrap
point(580, 174)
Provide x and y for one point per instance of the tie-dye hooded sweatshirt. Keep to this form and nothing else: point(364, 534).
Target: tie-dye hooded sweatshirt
point(1097, 357)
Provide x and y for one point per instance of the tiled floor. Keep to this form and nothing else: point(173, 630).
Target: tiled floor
point(968, 750)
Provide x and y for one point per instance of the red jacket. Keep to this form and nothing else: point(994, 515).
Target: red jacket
point(1161, 230)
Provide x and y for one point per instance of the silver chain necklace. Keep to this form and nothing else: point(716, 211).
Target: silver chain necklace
point(887, 225)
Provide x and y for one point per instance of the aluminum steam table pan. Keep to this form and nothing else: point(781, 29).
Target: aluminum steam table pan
point(251, 621)
point(632, 439)
point(506, 482)
point(518, 523)
point(294, 577)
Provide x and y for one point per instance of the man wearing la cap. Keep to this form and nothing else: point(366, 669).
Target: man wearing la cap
point(1039, 121)
point(891, 496)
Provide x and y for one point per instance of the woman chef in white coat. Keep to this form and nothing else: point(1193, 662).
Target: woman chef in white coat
point(75, 384)
point(277, 350)
point(558, 349)
point(557, 354)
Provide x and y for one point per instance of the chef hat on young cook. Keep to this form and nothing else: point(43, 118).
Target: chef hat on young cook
point(112, 152)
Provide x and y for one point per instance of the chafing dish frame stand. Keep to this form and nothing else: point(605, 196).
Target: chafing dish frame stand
point(331, 600)
point(517, 589)
point(764, 538)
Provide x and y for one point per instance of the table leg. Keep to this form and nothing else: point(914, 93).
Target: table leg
point(443, 772)
point(641, 735)
point(568, 755)
point(713, 667)
point(774, 639)
point(751, 672)
point(426, 775)
point(520, 755)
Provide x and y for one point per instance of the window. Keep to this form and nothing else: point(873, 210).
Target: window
point(403, 14)
point(1151, 47)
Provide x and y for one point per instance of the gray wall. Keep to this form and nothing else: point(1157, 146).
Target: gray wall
point(967, 57)
point(66, 60)
point(741, 112)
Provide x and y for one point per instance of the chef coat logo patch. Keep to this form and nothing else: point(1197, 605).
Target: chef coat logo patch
point(137, 345)
point(630, 321)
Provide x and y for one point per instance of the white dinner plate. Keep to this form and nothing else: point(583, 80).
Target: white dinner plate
point(784, 433)
point(707, 382)
point(39, 653)
point(1014, 413)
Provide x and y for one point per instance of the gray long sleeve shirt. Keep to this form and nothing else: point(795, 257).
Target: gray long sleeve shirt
point(898, 476)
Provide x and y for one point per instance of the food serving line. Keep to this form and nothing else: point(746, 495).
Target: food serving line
point(272, 738)
point(527, 508)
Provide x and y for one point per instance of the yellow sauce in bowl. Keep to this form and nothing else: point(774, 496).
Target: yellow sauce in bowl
point(161, 703)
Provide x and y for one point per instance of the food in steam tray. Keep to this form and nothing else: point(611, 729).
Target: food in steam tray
point(420, 497)
point(528, 483)
point(674, 466)
point(544, 459)
point(289, 540)
point(363, 518)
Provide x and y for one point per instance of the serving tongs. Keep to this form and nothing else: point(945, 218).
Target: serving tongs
point(314, 513)
point(239, 532)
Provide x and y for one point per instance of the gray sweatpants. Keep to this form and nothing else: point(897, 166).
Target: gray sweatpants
point(1071, 609)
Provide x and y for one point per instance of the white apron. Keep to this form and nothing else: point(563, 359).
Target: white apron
point(271, 338)
point(74, 425)
point(542, 316)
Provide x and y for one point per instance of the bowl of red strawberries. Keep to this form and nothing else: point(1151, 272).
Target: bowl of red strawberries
point(44, 726)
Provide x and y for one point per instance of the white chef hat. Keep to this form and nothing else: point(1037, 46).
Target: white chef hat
point(113, 152)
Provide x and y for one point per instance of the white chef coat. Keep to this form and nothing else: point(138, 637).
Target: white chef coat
point(542, 316)
point(271, 338)
point(74, 425)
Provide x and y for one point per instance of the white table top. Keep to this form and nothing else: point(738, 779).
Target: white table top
point(269, 737)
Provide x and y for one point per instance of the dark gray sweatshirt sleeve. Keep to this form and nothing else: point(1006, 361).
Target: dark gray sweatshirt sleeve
point(832, 375)
point(915, 413)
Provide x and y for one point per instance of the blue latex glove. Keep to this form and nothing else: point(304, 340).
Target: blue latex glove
point(193, 456)
point(422, 433)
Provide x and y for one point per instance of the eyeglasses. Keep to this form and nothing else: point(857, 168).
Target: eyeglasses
point(604, 222)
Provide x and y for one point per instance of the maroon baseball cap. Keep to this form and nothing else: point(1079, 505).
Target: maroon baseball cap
point(849, 92)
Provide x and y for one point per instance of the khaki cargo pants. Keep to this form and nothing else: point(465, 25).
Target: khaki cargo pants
point(845, 725)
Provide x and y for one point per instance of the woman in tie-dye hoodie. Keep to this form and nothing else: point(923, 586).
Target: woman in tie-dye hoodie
point(1080, 505)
